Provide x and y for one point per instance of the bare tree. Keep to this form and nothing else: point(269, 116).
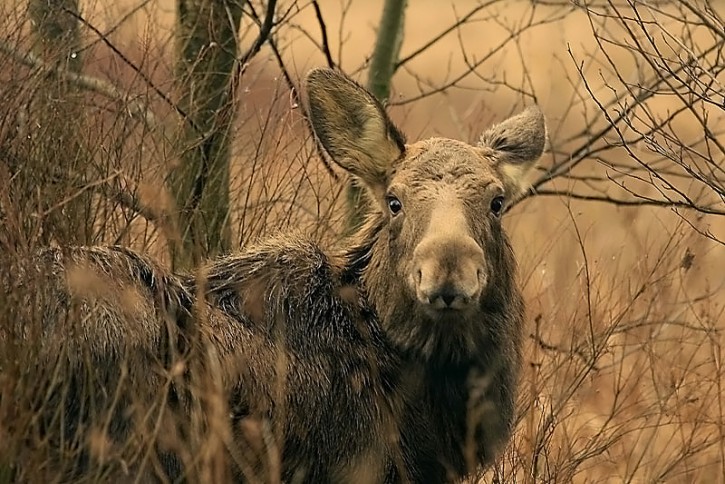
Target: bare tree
point(646, 155)
point(55, 115)
point(207, 56)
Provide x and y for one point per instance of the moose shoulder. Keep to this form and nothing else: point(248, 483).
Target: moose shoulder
point(391, 359)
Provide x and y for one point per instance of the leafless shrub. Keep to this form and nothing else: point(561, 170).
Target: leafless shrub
point(626, 305)
point(654, 76)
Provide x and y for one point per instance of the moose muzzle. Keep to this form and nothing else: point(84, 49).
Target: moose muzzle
point(448, 270)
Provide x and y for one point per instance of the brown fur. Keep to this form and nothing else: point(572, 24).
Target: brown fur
point(391, 359)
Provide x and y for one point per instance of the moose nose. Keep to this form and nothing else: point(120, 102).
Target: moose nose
point(449, 274)
point(447, 294)
point(445, 297)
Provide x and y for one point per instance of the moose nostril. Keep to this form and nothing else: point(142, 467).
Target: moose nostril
point(448, 298)
point(446, 294)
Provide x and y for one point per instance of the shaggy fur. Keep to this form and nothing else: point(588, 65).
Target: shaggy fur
point(340, 360)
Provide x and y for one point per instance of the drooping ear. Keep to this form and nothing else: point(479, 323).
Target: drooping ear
point(353, 127)
point(519, 143)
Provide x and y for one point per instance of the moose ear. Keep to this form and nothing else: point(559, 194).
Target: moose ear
point(353, 127)
point(519, 143)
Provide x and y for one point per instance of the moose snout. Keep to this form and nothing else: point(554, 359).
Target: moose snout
point(448, 273)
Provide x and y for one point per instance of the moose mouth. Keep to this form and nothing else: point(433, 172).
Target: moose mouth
point(446, 313)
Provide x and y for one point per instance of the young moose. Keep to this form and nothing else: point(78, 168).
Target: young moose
point(394, 359)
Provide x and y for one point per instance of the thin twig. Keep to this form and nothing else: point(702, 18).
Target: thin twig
point(624, 202)
point(164, 97)
point(325, 45)
point(94, 84)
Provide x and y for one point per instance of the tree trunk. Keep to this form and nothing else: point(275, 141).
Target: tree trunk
point(387, 48)
point(382, 68)
point(55, 173)
point(207, 53)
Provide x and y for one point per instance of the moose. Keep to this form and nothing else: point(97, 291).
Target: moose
point(392, 358)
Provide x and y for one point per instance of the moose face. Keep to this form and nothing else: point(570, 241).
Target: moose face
point(441, 199)
point(443, 202)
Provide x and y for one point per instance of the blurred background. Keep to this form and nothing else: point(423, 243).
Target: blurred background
point(177, 128)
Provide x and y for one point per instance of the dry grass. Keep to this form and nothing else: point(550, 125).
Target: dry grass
point(623, 377)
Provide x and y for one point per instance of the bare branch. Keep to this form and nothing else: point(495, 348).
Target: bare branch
point(325, 45)
point(164, 97)
point(640, 201)
point(135, 107)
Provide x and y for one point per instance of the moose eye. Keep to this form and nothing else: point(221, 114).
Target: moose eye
point(394, 205)
point(497, 205)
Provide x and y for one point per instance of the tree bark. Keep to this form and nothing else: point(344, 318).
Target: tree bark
point(206, 57)
point(387, 48)
point(57, 165)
